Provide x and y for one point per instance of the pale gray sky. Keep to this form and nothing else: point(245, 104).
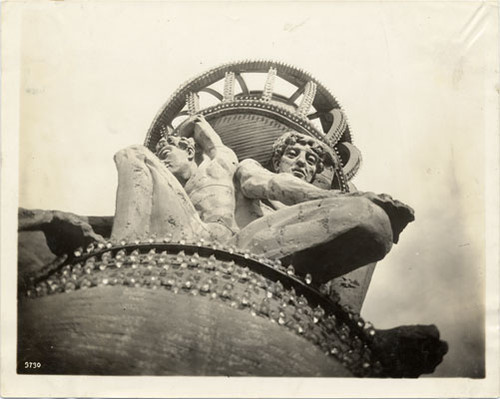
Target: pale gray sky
point(410, 76)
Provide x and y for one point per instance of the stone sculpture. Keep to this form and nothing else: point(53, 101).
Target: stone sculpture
point(340, 231)
point(177, 197)
point(171, 194)
point(215, 259)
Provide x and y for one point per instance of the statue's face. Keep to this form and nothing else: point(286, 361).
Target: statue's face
point(300, 161)
point(176, 155)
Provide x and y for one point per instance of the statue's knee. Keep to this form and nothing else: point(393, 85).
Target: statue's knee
point(132, 154)
point(375, 223)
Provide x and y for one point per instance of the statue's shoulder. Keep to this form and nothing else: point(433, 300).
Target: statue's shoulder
point(250, 164)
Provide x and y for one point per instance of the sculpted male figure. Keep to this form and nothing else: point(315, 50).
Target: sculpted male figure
point(323, 232)
point(170, 193)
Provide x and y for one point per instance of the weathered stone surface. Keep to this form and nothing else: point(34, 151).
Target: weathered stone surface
point(63, 231)
point(32, 255)
point(173, 195)
point(33, 251)
point(323, 232)
point(326, 237)
point(102, 225)
point(410, 351)
point(351, 288)
point(339, 232)
point(399, 213)
point(46, 237)
point(138, 331)
point(326, 233)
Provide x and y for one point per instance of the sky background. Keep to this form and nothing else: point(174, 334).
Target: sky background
point(410, 77)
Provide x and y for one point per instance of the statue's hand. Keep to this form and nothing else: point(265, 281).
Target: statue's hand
point(194, 127)
point(187, 129)
point(199, 119)
point(399, 213)
point(201, 125)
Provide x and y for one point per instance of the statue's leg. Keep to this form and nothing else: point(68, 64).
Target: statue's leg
point(150, 200)
point(172, 211)
point(133, 197)
point(326, 238)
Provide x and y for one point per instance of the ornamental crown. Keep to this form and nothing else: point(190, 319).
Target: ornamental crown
point(252, 103)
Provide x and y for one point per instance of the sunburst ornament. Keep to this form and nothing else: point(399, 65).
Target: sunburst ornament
point(252, 103)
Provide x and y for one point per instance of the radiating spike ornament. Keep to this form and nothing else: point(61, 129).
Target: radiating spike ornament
point(193, 103)
point(307, 99)
point(339, 125)
point(228, 87)
point(269, 86)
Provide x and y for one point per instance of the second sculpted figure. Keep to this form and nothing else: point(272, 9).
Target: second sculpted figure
point(323, 232)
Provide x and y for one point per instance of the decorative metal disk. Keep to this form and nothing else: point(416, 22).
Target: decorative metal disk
point(250, 114)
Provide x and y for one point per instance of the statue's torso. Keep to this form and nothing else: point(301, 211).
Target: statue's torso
point(211, 191)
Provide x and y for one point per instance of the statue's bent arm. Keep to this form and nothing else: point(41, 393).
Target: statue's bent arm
point(259, 183)
point(206, 137)
point(210, 142)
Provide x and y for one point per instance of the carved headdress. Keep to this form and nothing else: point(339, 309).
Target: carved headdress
point(250, 116)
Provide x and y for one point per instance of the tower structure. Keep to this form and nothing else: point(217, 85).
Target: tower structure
point(163, 306)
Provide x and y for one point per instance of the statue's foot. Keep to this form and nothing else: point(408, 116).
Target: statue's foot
point(409, 351)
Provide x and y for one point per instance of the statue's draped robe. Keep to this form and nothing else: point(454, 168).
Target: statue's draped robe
point(151, 201)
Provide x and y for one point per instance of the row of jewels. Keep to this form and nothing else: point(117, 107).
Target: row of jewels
point(96, 248)
point(221, 280)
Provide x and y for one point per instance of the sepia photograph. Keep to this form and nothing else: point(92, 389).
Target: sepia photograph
point(302, 197)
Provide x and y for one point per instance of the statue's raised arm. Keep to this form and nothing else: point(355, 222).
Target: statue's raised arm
point(204, 135)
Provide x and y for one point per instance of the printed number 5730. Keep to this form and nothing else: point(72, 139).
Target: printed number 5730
point(32, 365)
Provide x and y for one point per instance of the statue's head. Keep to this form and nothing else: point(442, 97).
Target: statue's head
point(299, 155)
point(177, 154)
